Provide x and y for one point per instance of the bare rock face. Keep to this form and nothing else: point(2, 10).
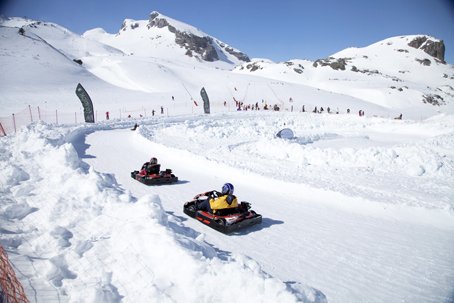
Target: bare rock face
point(157, 22)
point(126, 25)
point(200, 45)
point(425, 62)
point(336, 64)
point(241, 56)
point(253, 66)
point(435, 100)
point(203, 46)
point(434, 48)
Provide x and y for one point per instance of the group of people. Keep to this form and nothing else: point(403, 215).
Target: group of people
point(240, 106)
point(322, 110)
point(153, 112)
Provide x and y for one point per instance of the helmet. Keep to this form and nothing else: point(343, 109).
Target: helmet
point(227, 188)
point(153, 160)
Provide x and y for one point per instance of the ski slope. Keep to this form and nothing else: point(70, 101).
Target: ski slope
point(348, 247)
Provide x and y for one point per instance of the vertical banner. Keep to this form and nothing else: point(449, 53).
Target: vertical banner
point(86, 103)
point(206, 101)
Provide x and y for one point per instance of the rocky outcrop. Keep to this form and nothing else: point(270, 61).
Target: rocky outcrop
point(241, 56)
point(127, 25)
point(433, 99)
point(425, 62)
point(200, 45)
point(336, 64)
point(154, 21)
point(298, 69)
point(203, 46)
point(254, 66)
point(435, 49)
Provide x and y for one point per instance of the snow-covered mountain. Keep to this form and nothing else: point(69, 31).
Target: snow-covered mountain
point(149, 61)
point(166, 38)
point(41, 65)
point(398, 72)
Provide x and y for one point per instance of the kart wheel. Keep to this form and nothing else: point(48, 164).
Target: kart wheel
point(220, 221)
point(191, 208)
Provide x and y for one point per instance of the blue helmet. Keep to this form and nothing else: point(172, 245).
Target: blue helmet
point(227, 188)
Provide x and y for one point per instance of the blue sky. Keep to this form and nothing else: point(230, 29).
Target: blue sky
point(277, 30)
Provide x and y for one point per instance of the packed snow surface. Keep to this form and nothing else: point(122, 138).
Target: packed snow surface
point(354, 209)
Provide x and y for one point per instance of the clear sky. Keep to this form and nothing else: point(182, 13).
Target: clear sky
point(279, 30)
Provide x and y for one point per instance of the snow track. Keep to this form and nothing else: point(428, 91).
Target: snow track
point(349, 248)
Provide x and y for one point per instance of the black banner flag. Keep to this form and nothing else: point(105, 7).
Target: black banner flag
point(206, 101)
point(86, 103)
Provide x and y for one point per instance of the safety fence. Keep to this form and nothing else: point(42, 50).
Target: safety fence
point(12, 124)
point(11, 290)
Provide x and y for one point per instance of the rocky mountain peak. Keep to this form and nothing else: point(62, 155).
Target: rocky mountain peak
point(156, 20)
point(195, 42)
point(435, 48)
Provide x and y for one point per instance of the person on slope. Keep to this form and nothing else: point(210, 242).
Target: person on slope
point(152, 167)
point(218, 201)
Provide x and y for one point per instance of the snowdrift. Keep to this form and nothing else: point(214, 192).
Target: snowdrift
point(91, 241)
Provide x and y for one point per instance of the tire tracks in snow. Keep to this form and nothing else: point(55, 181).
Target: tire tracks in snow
point(349, 249)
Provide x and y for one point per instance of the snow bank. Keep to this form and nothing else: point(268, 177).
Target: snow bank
point(341, 153)
point(89, 240)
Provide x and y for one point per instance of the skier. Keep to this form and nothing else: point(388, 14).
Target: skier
point(217, 201)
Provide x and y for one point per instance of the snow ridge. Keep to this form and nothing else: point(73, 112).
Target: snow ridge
point(123, 246)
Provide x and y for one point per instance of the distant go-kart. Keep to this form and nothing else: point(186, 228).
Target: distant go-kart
point(163, 177)
point(227, 220)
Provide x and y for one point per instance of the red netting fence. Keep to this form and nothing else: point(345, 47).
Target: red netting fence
point(11, 290)
point(12, 124)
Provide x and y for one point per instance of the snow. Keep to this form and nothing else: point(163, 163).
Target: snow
point(355, 209)
point(395, 79)
point(343, 219)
